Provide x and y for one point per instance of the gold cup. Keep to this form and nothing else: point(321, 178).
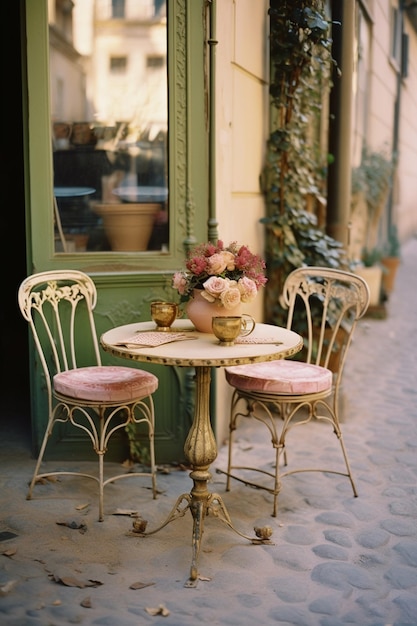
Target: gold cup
point(164, 314)
point(230, 327)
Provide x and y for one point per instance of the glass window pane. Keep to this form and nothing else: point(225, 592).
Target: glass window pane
point(109, 110)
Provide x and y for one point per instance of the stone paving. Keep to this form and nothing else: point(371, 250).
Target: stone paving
point(334, 560)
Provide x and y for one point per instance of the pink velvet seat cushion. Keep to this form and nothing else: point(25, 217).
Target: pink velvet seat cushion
point(281, 377)
point(106, 383)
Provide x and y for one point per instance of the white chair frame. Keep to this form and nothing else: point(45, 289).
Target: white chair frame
point(40, 297)
point(344, 298)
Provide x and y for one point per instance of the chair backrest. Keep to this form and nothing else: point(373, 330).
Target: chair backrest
point(324, 306)
point(59, 308)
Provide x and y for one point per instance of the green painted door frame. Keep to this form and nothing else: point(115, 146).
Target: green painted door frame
point(127, 282)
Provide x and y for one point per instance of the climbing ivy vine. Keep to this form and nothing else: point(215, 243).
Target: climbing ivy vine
point(296, 167)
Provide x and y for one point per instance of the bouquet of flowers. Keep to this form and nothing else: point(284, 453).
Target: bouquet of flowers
point(228, 275)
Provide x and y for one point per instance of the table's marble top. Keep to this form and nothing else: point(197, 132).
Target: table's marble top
point(266, 343)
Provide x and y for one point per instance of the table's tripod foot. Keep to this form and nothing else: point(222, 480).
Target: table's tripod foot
point(191, 583)
point(177, 511)
point(214, 505)
point(200, 507)
point(217, 507)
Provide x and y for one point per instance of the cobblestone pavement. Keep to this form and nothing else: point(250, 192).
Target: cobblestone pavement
point(335, 559)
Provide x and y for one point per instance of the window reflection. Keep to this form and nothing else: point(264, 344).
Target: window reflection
point(109, 124)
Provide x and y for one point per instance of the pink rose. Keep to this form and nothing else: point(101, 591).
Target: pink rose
point(247, 288)
point(215, 285)
point(230, 298)
point(179, 282)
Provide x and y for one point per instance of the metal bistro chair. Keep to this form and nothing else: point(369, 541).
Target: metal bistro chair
point(297, 391)
point(97, 399)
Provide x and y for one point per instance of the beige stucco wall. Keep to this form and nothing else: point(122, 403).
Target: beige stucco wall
point(381, 104)
point(241, 132)
point(406, 191)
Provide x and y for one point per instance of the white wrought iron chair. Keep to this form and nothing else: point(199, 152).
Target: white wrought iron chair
point(97, 399)
point(288, 393)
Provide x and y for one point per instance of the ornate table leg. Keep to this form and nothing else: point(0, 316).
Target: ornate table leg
point(201, 451)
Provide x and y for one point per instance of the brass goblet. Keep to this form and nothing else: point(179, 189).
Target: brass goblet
point(164, 314)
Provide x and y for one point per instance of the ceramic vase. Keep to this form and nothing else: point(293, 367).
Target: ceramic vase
point(201, 312)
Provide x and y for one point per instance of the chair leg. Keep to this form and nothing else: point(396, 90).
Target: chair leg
point(46, 436)
point(277, 484)
point(232, 428)
point(151, 434)
point(100, 486)
point(345, 456)
point(229, 456)
point(334, 419)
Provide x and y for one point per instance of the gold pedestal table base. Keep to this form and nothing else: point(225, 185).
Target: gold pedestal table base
point(201, 450)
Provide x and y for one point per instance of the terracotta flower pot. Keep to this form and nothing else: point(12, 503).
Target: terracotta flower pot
point(390, 264)
point(128, 226)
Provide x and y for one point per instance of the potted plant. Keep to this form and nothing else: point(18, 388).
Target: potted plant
point(390, 260)
point(371, 270)
point(371, 183)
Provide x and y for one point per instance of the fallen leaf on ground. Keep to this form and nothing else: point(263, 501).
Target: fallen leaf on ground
point(46, 479)
point(161, 610)
point(74, 525)
point(6, 534)
point(129, 512)
point(7, 587)
point(81, 507)
point(10, 552)
point(69, 581)
point(140, 585)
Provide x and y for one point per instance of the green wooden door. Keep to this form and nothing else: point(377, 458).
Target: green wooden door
point(126, 281)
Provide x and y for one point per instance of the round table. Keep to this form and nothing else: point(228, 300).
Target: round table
point(201, 351)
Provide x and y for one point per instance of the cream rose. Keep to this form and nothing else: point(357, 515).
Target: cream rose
point(216, 264)
point(230, 298)
point(220, 262)
point(229, 259)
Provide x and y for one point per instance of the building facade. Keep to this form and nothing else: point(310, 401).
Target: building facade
point(215, 56)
